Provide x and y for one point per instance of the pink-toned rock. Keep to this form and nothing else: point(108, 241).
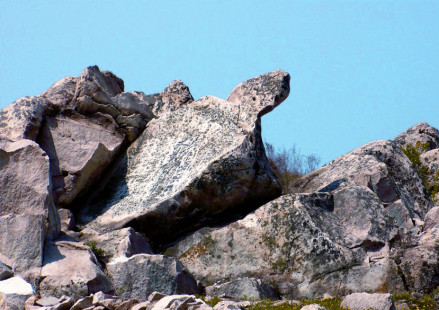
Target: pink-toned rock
point(26, 201)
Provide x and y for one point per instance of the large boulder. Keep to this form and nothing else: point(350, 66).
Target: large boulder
point(382, 167)
point(141, 274)
point(305, 244)
point(418, 258)
point(70, 268)
point(193, 164)
point(80, 148)
point(13, 293)
point(364, 301)
point(27, 214)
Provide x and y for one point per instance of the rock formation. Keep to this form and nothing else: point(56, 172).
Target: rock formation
point(191, 165)
point(108, 192)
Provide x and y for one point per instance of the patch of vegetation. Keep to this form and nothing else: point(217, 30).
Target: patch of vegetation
point(199, 249)
point(424, 302)
point(328, 303)
point(269, 304)
point(290, 165)
point(120, 290)
point(97, 251)
point(213, 301)
point(413, 153)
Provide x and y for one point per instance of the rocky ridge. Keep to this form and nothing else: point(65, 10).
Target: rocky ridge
point(131, 194)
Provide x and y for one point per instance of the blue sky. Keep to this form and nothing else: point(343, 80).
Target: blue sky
point(360, 70)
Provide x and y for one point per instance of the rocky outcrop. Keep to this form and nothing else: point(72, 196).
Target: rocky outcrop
point(192, 164)
point(82, 123)
point(305, 244)
point(133, 175)
point(27, 214)
point(382, 167)
point(421, 133)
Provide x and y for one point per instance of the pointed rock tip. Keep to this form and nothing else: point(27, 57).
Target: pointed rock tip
point(262, 93)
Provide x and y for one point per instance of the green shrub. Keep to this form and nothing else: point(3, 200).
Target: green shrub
point(413, 153)
point(97, 251)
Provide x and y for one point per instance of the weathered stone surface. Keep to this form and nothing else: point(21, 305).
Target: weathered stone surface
point(363, 301)
point(14, 292)
point(25, 202)
point(127, 304)
point(81, 123)
point(431, 218)
point(123, 242)
point(71, 269)
point(62, 92)
point(82, 303)
point(5, 272)
point(180, 302)
point(47, 301)
point(422, 133)
point(305, 244)
point(313, 307)
point(142, 274)
point(262, 93)
point(418, 261)
point(142, 306)
point(172, 98)
point(382, 167)
point(228, 305)
point(22, 119)
point(79, 151)
point(430, 160)
point(67, 220)
point(242, 289)
point(192, 164)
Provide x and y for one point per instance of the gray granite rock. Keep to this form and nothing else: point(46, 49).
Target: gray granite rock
point(5, 272)
point(26, 201)
point(305, 244)
point(363, 301)
point(192, 164)
point(142, 274)
point(245, 288)
point(14, 292)
point(422, 133)
point(382, 167)
point(122, 242)
point(70, 268)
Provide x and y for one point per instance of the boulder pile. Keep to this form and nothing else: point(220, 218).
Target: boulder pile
point(122, 200)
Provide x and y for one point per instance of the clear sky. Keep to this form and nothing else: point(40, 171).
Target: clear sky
point(360, 70)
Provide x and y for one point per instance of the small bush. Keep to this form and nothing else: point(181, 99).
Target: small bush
point(97, 251)
point(213, 301)
point(290, 165)
point(413, 153)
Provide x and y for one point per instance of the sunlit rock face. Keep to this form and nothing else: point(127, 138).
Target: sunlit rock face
point(161, 192)
point(192, 165)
